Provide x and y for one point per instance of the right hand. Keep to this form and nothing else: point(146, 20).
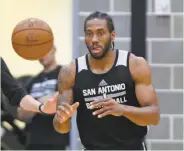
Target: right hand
point(45, 98)
point(49, 105)
point(65, 111)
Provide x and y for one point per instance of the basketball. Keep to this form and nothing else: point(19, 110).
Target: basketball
point(32, 39)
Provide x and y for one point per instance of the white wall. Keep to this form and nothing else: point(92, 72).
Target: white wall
point(57, 13)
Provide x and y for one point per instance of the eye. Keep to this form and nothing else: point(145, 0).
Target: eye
point(101, 33)
point(88, 34)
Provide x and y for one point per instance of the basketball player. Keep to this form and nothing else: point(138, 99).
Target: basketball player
point(111, 90)
point(19, 97)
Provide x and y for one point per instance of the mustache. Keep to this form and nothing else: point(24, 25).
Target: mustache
point(95, 46)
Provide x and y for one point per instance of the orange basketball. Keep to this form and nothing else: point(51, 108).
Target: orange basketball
point(32, 39)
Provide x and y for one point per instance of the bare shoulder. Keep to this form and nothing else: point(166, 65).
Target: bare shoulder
point(140, 69)
point(66, 76)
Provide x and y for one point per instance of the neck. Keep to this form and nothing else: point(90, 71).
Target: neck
point(105, 63)
point(50, 67)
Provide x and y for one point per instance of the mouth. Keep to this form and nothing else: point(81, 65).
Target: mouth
point(96, 49)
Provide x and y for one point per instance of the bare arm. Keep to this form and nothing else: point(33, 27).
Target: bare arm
point(29, 103)
point(149, 112)
point(27, 116)
point(64, 111)
point(18, 96)
point(24, 115)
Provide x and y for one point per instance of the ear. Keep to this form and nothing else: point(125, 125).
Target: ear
point(113, 35)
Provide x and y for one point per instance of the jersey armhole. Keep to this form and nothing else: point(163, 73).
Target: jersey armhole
point(128, 57)
point(76, 69)
point(128, 66)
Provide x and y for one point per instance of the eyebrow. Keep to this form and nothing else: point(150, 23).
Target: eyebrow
point(99, 29)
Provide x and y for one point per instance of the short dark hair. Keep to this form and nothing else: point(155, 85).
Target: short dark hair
point(100, 15)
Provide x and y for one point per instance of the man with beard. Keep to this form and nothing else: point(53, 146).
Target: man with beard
point(111, 90)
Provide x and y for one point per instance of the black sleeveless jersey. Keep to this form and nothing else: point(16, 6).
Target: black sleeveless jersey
point(109, 132)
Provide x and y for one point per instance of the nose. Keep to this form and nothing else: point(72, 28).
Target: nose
point(95, 39)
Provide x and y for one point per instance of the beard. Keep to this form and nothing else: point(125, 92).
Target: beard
point(107, 47)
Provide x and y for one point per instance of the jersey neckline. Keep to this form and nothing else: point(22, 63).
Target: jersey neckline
point(102, 74)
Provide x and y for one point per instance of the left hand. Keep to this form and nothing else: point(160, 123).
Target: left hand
point(107, 106)
point(49, 106)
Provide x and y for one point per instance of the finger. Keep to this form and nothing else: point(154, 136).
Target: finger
point(105, 114)
point(100, 100)
point(62, 113)
point(53, 100)
point(60, 118)
point(56, 94)
point(100, 104)
point(75, 105)
point(52, 97)
point(66, 105)
point(102, 110)
point(64, 109)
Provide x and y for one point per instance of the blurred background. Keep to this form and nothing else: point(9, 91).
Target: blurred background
point(57, 14)
point(164, 53)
